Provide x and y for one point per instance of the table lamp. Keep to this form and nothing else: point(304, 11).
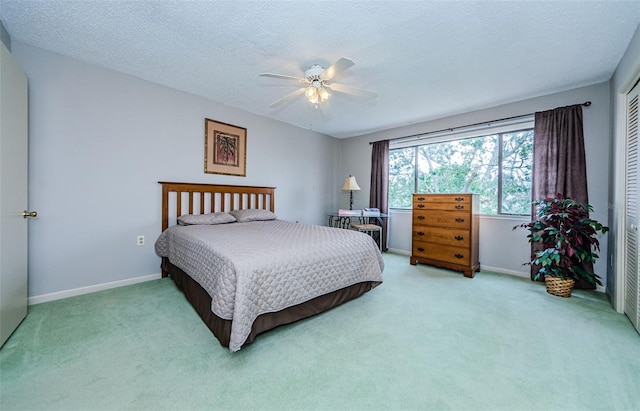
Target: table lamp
point(350, 185)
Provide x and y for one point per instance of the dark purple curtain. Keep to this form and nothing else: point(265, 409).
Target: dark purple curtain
point(379, 192)
point(559, 164)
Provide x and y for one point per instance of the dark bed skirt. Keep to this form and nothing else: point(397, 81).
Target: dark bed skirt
point(221, 328)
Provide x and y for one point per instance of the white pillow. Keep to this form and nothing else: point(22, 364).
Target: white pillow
point(206, 219)
point(252, 215)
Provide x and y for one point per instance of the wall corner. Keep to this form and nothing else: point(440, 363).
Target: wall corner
point(5, 38)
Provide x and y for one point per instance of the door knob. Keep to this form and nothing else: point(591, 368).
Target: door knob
point(26, 214)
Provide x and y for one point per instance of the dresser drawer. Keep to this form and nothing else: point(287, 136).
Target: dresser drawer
point(441, 252)
point(443, 206)
point(448, 236)
point(453, 219)
point(458, 202)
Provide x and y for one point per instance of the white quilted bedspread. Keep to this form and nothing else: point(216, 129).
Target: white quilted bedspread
point(264, 266)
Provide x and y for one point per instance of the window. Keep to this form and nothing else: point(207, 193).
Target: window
point(496, 166)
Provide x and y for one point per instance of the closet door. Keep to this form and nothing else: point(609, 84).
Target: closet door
point(632, 294)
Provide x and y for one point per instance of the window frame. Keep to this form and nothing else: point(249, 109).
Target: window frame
point(484, 130)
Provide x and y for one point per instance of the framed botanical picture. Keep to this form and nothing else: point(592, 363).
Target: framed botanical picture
point(225, 148)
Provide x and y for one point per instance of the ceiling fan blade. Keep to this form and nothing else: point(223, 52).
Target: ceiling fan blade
point(337, 68)
point(284, 77)
point(341, 88)
point(288, 98)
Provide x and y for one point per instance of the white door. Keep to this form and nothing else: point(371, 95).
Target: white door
point(632, 294)
point(13, 194)
point(632, 207)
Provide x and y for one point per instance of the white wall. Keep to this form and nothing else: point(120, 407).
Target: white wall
point(99, 141)
point(4, 36)
point(501, 248)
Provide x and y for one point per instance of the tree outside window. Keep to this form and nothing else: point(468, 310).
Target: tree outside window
point(497, 167)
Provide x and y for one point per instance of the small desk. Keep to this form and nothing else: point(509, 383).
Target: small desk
point(340, 221)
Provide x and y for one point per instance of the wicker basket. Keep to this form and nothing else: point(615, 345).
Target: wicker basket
point(558, 286)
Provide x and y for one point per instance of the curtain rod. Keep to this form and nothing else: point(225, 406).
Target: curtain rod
point(585, 104)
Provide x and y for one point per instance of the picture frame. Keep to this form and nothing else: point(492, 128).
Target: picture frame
point(225, 149)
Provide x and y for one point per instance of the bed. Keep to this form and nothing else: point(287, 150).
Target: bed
point(245, 271)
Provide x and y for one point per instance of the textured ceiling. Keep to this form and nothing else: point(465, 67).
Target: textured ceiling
point(425, 59)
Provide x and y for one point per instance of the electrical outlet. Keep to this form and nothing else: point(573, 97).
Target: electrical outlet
point(140, 240)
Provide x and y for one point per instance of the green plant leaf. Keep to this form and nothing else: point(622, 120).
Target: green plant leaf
point(568, 234)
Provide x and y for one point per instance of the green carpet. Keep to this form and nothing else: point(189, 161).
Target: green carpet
point(425, 339)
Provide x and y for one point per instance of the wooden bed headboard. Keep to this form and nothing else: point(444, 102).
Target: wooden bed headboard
point(196, 198)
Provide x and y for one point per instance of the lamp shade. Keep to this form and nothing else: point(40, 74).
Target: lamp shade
point(311, 92)
point(350, 184)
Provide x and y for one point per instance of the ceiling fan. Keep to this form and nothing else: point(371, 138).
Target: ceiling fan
point(318, 84)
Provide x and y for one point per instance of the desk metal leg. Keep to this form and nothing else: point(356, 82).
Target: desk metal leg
point(339, 221)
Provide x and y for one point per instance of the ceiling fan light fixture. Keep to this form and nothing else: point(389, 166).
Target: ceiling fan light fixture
point(311, 93)
point(319, 84)
point(324, 94)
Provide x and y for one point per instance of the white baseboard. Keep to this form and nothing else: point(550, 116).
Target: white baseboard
point(397, 251)
point(90, 289)
point(483, 267)
point(523, 274)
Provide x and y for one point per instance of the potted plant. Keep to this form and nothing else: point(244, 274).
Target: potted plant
point(567, 237)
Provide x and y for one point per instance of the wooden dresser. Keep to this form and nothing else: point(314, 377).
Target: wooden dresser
point(445, 231)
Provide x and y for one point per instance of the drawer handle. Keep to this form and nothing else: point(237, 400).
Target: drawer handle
point(420, 205)
point(421, 198)
point(459, 220)
point(459, 198)
point(459, 207)
point(420, 217)
point(457, 255)
point(420, 249)
point(459, 237)
point(420, 233)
